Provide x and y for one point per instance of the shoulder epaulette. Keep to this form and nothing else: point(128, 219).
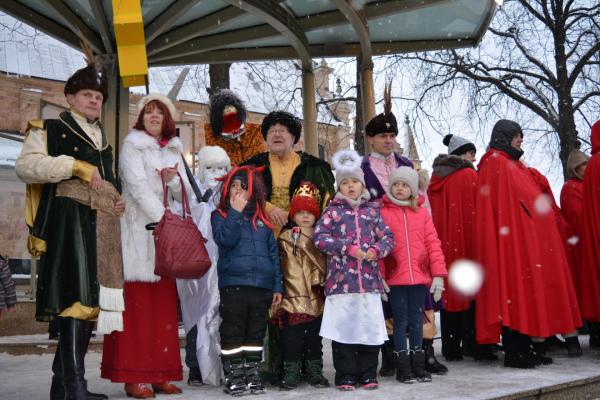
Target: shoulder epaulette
point(34, 123)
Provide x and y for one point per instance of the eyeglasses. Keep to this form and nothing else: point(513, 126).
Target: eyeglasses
point(279, 131)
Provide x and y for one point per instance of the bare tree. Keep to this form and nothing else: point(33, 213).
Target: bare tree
point(540, 60)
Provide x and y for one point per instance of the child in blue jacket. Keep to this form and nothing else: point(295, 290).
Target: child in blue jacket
point(250, 278)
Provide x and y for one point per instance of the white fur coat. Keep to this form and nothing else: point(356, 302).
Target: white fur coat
point(139, 159)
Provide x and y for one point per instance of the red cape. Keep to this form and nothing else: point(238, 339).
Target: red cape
point(527, 285)
point(590, 266)
point(452, 200)
point(571, 202)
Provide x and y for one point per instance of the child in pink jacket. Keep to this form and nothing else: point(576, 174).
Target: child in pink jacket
point(415, 265)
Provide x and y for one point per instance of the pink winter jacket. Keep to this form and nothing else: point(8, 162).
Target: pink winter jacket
point(417, 256)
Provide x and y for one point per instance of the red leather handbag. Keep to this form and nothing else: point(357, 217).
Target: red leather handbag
point(178, 244)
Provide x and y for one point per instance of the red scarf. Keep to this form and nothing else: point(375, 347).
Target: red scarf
point(162, 140)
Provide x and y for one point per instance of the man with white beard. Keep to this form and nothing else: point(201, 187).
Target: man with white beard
point(200, 297)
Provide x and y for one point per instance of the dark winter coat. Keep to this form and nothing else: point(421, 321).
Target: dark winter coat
point(8, 295)
point(247, 256)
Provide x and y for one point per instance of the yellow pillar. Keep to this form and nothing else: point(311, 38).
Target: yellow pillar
point(131, 46)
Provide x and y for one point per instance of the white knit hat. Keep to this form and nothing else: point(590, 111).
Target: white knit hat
point(458, 145)
point(347, 165)
point(213, 156)
point(156, 96)
point(408, 176)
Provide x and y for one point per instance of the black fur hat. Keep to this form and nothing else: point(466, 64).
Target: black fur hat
point(92, 77)
point(222, 115)
point(386, 121)
point(284, 118)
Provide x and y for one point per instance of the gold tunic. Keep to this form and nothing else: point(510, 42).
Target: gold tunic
point(301, 271)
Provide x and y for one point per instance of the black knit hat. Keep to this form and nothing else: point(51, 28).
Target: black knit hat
point(502, 135)
point(284, 118)
point(386, 121)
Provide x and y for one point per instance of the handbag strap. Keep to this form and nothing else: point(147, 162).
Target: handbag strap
point(184, 197)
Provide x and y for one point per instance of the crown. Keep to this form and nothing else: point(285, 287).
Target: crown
point(308, 189)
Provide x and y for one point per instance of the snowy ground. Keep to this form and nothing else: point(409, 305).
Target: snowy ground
point(28, 377)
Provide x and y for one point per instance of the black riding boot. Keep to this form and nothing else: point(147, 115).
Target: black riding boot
point(73, 343)
point(432, 365)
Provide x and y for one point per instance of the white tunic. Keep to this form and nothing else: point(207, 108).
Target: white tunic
point(354, 318)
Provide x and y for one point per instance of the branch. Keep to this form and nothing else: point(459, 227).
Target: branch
point(585, 98)
point(582, 63)
point(527, 54)
point(579, 37)
point(545, 19)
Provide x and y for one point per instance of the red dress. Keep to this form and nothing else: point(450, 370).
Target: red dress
point(590, 246)
point(147, 351)
point(527, 285)
point(452, 200)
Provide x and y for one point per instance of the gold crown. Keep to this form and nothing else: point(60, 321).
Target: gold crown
point(308, 189)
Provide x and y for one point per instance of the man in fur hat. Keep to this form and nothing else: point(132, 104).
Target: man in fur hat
point(57, 154)
point(229, 130)
point(284, 170)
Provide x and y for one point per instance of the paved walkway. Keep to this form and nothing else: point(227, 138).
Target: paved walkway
point(28, 377)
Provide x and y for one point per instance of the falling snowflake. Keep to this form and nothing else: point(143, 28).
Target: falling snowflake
point(504, 230)
point(484, 190)
point(465, 276)
point(543, 204)
point(573, 240)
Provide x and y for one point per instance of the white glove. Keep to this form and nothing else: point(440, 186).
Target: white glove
point(437, 287)
point(386, 290)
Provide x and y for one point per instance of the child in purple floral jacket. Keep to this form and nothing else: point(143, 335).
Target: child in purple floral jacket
point(353, 235)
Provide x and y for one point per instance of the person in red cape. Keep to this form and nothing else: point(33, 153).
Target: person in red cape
point(527, 290)
point(547, 204)
point(571, 201)
point(590, 233)
point(452, 193)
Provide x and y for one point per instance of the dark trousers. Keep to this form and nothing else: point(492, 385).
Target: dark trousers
point(354, 362)
point(244, 312)
point(302, 341)
point(407, 308)
point(191, 359)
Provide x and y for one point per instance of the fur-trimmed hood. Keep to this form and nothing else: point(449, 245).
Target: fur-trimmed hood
point(141, 140)
point(446, 164)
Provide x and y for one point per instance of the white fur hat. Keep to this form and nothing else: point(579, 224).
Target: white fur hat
point(156, 96)
point(213, 156)
point(347, 164)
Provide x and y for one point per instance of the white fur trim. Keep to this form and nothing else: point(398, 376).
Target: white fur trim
point(346, 160)
point(142, 141)
point(111, 299)
point(156, 96)
point(109, 321)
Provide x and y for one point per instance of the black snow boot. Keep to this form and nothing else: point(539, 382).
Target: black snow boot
point(432, 365)
point(417, 361)
point(514, 354)
point(539, 351)
point(253, 367)
point(314, 371)
point(403, 369)
point(573, 347)
point(388, 367)
point(235, 377)
point(594, 330)
point(291, 375)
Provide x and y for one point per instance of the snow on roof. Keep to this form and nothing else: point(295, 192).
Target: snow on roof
point(28, 52)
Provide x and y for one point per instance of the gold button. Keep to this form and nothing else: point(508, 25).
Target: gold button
point(75, 148)
point(64, 136)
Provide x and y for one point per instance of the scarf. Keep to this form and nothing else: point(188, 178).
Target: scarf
point(108, 248)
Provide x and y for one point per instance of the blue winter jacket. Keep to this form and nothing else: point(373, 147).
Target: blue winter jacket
point(247, 256)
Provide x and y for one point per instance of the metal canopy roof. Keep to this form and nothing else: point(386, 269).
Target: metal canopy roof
point(214, 31)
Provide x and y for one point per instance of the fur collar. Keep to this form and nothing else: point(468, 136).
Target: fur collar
point(446, 164)
point(141, 140)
